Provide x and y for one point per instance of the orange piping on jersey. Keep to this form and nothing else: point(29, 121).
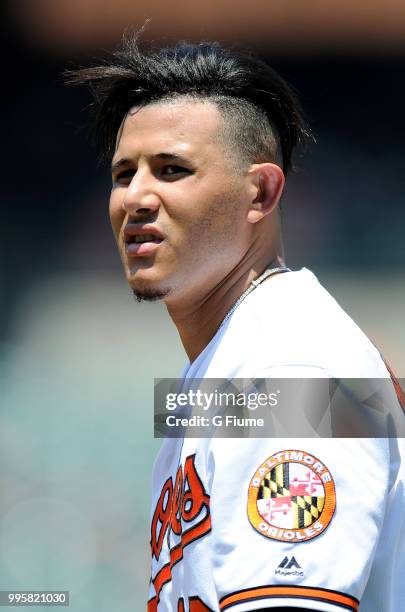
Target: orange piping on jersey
point(152, 605)
point(398, 389)
point(264, 592)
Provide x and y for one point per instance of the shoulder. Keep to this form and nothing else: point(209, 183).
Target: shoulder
point(293, 320)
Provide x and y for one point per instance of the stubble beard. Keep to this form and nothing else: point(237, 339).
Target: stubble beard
point(149, 295)
point(144, 291)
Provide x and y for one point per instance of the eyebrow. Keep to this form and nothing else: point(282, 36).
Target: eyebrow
point(118, 164)
point(125, 161)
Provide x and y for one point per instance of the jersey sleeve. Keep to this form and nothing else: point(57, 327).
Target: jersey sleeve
point(295, 521)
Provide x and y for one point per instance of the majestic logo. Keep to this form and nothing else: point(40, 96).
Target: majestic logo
point(289, 563)
point(291, 497)
point(289, 567)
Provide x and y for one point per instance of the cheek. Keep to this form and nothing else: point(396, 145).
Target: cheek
point(225, 213)
point(220, 224)
point(116, 212)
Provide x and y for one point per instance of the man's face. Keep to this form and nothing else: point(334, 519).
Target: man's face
point(178, 207)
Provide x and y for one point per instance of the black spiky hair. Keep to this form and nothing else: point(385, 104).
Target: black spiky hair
point(267, 111)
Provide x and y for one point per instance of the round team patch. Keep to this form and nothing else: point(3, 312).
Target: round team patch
point(291, 497)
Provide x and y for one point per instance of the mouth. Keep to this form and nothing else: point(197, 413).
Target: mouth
point(141, 241)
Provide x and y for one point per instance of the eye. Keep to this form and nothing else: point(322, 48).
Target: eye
point(124, 176)
point(173, 171)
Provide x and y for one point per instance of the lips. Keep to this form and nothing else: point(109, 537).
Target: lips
point(141, 240)
point(144, 238)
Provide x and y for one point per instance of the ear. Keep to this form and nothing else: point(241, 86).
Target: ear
point(268, 181)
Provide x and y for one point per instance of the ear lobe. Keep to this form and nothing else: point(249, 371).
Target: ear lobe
point(269, 179)
point(254, 216)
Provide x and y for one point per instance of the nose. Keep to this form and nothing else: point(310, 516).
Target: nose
point(140, 196)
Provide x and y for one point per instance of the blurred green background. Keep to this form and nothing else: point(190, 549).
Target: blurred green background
point(78, 355)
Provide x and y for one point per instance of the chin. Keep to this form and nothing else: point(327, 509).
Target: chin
point(147, 290)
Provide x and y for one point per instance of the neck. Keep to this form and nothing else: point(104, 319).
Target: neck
point(197, 322)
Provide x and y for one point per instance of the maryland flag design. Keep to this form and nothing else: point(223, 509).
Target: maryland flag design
point(291, 497)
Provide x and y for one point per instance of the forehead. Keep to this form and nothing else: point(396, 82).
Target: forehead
point(184, 126)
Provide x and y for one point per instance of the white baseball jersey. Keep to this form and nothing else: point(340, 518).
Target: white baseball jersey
point(249, 524)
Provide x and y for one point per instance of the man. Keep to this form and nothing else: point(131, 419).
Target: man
point(201, 139)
